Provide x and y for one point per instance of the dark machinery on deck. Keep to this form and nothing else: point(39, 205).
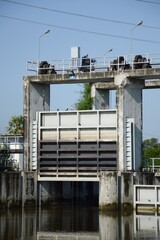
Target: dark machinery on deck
point(139, 62)
point(87, 64)
point(118, 64)
point(46, 68)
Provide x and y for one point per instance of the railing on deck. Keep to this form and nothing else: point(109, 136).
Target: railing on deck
point(152, 165)
point(97, 64)
point(11, 144)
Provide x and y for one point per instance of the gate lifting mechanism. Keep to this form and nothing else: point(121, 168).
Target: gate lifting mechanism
point(87, 65)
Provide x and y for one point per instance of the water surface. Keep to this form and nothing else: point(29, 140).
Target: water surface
point(76, 223)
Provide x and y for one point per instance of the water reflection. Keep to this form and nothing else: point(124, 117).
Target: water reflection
point(76, 223)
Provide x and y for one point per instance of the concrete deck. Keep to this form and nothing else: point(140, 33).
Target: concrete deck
point(150, 75)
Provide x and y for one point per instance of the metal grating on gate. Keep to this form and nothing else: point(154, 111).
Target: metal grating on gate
point(76, 159)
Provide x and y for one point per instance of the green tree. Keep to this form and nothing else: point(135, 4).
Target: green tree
point(151, 148)
point(86, 101)
point(6, 160)
point(15, 125)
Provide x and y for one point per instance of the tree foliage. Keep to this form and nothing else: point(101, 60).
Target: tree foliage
point(15, 125)
point(86, 101)
point(151, 148)
point(6, 160)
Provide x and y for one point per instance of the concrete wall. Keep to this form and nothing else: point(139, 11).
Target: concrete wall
point(10, 189)
point(116, 189)
point(18, 189)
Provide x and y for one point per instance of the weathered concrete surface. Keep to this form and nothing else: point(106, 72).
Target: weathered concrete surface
point(152, 84)
point(127, 190)
point(100, 98)
point(149, 73)
point(149, 84)
point(36, 98)
point(144, 178)
point(29, 189)
point(108, 190)
point(18, 189)
point(129, 106)
point(116, 189)
point(10, 190)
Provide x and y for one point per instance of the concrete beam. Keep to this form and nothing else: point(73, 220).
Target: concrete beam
point(108, 76)
point(150, 84)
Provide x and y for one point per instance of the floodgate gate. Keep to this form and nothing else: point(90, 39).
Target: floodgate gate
point(83, 154)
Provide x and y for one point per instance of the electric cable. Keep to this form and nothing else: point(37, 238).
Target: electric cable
point(78, 30)
point(79, 15)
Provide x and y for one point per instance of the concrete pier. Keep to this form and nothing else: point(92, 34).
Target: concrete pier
point(36, 98)
point(108, 194)
point(129, 116)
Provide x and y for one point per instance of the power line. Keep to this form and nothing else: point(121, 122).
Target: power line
point(65, 12)
point(146, 1)
point(77, 30)
point(79, 15)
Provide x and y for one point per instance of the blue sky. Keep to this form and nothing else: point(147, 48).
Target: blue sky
point(110, 20)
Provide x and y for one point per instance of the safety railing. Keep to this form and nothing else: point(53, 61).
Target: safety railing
point(97, 64)
point(11, 144)
point(152, 165)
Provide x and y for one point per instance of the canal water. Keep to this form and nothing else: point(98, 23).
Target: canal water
point(76, 223)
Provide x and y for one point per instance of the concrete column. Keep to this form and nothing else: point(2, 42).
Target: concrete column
point(100, 97)
point(108, 190)
point(127, 190)
point(129, 106)
point(29, 189)
point(36, 98)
